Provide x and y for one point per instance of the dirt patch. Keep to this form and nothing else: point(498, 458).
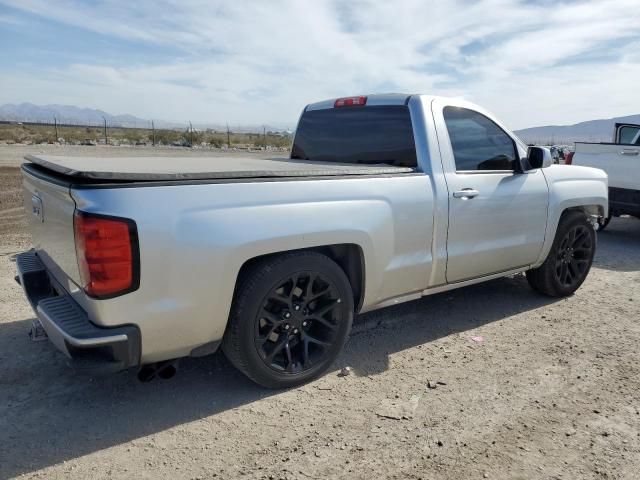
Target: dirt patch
point(491, 381)
point(13, 222)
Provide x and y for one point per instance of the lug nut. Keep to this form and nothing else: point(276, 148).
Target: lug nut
point(295, 330)
point(304, 324)
point(287, 327)
point(296, 307)
point(287, 314)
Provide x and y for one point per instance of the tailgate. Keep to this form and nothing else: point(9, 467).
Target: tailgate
point(50, 210)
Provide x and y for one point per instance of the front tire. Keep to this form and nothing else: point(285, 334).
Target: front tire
point(290, 318)
point(569, 260)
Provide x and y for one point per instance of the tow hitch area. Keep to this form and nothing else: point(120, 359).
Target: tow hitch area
point(37, 332)
point(92, 350)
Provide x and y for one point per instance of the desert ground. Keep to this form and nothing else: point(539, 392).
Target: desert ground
point(526, 387)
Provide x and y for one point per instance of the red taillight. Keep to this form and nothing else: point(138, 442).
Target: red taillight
point(350, 102)
point(107, 253)
point(569, 158)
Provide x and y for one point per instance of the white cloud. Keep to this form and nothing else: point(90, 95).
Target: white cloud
point(10, 20)
point(260, 62)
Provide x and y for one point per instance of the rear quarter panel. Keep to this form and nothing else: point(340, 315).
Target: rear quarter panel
point(195, 238)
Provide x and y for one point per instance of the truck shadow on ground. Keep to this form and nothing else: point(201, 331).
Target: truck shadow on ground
point(50, 415)
point(619, 245)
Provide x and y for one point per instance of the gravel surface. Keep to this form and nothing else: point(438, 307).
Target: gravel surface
point(491, 381)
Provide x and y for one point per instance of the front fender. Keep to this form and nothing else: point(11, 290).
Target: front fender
point(572, 187)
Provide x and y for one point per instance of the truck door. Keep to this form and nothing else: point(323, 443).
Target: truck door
point(497, 216)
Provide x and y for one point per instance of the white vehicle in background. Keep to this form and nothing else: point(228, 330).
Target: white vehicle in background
point(621, 161)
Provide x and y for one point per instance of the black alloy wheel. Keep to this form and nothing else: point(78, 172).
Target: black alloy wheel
point(573, 258)
point(569, 259)
point(297, 323)
point(290, 318)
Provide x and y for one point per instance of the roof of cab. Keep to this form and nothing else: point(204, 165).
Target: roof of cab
point(372, 100)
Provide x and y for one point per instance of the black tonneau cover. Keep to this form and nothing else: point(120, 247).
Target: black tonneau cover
point(137, 169)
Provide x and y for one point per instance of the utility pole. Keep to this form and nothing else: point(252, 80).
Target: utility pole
point(191, 133)
point(153, 134)
point(228, 137)
point(264, 136)
point(55, 124)
point(105, 130)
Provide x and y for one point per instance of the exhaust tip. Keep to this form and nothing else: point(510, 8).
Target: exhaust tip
point(167, 371)
point(147, 373)
point(164, 370)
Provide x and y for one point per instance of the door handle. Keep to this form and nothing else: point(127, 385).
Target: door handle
point(466, 193)
point(629, 152)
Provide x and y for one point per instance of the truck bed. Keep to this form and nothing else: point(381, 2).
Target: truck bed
point(137, 169)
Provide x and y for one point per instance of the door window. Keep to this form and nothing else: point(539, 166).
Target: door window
point(630, 135)
point(477, 142)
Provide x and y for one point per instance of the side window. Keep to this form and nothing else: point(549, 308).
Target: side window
point(477, 142)
point(629, 135)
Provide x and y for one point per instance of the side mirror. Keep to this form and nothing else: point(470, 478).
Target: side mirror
point(539, 157)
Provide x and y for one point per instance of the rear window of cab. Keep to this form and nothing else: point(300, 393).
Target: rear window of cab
point(367, 134)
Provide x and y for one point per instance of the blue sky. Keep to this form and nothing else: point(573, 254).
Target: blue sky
point(531, 62)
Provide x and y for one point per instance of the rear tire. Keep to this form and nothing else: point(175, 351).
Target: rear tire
point(569, 260)
point(290, 318)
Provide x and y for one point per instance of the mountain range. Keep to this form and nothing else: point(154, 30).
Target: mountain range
point(72, 115)
point(590, 131)
point(66, 114)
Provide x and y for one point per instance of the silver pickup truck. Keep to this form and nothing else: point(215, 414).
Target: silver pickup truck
point(384, 199)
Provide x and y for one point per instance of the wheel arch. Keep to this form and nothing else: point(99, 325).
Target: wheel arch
point(590, 209)
point(594, 210)
point(349, 257)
